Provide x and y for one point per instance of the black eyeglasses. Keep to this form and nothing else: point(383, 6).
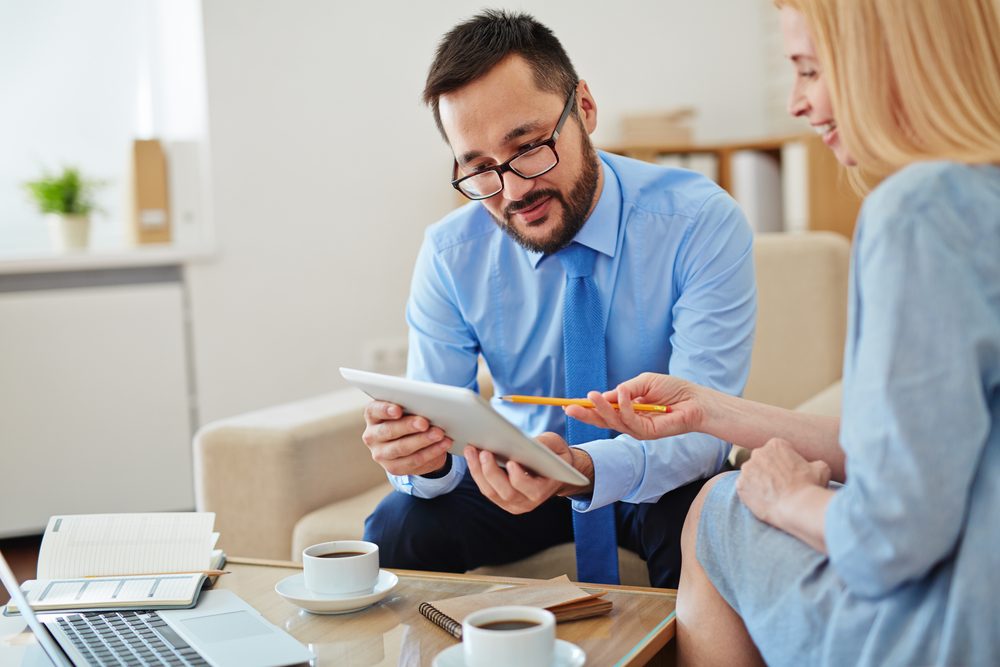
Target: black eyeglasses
point(532, 162)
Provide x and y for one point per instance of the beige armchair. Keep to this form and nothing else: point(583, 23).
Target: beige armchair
point(289, 476)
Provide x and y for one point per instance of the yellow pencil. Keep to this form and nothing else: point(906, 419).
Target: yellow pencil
point(548, 400)
point(207, 573)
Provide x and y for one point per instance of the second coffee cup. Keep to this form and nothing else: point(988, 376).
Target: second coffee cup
point(342, 567)
point(505, 636)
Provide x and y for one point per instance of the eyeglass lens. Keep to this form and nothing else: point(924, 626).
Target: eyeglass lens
point(531, 164)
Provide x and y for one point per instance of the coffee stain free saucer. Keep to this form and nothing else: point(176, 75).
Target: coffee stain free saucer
point(567, 654)
point(294, 590)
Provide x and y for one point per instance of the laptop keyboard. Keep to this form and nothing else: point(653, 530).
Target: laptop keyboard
point(128, 638)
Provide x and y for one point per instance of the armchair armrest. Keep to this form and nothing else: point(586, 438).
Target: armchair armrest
point(827, 402)
point(262, 471)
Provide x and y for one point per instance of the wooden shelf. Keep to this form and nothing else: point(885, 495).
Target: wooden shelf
point(829, 202)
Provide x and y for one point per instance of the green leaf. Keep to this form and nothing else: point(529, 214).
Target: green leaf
point(67, 193)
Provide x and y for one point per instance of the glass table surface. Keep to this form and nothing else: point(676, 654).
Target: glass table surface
point(393, 632)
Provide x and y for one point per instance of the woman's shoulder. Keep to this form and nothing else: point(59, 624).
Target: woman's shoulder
point(928, 189)
point(923, 183)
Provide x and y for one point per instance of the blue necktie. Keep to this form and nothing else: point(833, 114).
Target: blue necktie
point(584, 356)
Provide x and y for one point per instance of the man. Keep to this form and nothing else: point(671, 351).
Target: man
point(571, 271)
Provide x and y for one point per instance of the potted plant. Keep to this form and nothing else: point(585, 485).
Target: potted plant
point(67, 200)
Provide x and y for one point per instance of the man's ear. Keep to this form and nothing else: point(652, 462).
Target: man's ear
point(586, 107)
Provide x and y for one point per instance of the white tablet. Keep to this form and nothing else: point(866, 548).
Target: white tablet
point(466, 418)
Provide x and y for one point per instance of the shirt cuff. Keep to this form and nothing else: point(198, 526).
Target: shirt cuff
point(615, 472)
point(636, 471)
point(425, 487)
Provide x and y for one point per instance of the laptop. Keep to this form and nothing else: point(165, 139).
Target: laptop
point(221, 631)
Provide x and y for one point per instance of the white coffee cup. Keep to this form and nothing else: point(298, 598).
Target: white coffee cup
point(486, 644)
point(327, 572)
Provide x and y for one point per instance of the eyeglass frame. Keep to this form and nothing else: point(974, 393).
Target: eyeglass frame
point(505, 167)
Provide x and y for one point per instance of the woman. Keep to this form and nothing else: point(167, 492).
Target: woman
point(900, 565)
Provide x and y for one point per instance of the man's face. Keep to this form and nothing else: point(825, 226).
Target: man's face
point(493, 118)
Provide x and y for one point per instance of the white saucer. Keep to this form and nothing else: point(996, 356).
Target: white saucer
point(294, 590)
point(568, 654)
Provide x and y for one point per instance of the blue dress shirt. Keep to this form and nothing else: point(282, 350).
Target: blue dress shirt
point(675, 275)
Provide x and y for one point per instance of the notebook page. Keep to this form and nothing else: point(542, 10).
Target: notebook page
point(93, 545)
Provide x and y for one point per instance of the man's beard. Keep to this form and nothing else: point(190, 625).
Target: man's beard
point(574, 210)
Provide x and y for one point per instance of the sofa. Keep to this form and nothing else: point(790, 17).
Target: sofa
point(282, 478)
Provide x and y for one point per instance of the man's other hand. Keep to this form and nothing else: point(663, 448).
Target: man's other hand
point(517, 489)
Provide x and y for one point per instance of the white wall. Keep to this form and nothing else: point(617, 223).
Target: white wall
point(68, 99)
point(311, 100)
point(80, 81)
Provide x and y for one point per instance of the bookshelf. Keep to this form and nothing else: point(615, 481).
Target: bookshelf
point(789, 183)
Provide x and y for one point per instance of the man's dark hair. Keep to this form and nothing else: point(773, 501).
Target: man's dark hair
point(473, 48)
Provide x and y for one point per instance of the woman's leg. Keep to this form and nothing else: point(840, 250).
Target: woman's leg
point(709, 632)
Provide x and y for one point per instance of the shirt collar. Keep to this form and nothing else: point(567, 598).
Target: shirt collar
point(600, 232)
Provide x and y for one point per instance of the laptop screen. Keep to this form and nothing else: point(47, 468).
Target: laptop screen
point(45, 640)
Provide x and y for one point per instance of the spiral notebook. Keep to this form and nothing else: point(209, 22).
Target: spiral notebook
point(562, 597)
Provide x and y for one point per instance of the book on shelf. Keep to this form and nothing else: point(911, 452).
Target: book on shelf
point(124, 561)
point(563, 598)
point(757, 187)
point(795, 185)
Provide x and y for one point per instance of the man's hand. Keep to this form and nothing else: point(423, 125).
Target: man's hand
point(519, 490)
point(404, 445)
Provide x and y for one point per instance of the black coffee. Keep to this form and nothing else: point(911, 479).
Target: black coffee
point(342, 554)
point(508, 625)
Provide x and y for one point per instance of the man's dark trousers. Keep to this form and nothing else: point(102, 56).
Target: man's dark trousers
point(463, 530)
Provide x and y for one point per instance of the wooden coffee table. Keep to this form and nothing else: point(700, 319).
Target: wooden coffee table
point(392, 632)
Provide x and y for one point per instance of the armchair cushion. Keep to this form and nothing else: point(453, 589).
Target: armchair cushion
point(801, 316)
point(342, 520)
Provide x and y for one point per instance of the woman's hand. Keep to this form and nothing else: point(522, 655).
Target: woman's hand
point(688, 403)
point(773, 483)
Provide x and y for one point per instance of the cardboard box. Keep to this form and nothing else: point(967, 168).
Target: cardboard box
point(658, 128)
point(151, 195)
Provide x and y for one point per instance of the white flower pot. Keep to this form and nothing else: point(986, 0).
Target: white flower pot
point(68, 232)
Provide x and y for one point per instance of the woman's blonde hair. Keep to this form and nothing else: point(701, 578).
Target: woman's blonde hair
point(910, 80)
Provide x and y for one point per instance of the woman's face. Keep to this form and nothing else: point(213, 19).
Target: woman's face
point(810, 98)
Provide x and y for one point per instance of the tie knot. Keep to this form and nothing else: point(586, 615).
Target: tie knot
point(577, 260)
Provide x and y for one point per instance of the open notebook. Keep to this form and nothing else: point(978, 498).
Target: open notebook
point(124, 561)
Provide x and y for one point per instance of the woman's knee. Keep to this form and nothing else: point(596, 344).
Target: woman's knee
point(689, 533)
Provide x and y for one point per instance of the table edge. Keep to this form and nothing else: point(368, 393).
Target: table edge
point(486, 578)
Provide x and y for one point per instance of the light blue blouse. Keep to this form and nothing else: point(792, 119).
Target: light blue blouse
point(918, 521)
point(913, 573)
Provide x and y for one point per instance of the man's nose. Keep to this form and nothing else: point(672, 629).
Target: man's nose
point(516, 187)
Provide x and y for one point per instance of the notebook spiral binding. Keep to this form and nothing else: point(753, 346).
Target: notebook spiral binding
point(447, 623)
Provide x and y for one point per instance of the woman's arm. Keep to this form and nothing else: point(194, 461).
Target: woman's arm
point(700, 409)
point(750, 424)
